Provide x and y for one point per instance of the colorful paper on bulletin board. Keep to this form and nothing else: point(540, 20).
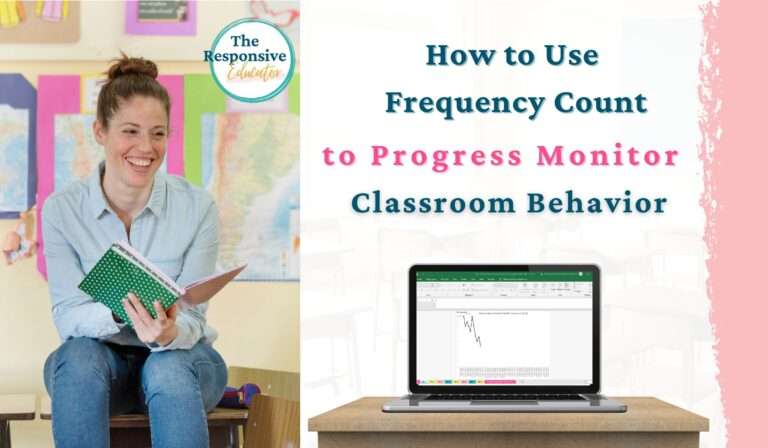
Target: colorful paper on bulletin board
point(161, 18)
point(246, 155)
point(66, 148)
point(39, 22)
point(294, 94)
point(202, 96)
point(52, 10)
point(253, 175)
point(174, 157)
point(11, 13)
point(276, 104)
point(58, 95)
point(18, 111)
point(75, 151)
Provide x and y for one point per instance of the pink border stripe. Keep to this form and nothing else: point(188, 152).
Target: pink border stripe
point(175, 155)
point(56, 94)
point(734, 94)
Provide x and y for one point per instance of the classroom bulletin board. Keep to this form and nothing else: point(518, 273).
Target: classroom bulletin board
point(39, 22)
point(102, 30)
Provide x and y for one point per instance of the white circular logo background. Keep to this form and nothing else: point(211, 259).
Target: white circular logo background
point(254, 71)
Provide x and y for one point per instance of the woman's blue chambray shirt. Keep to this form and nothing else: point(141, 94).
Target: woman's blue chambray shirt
point(177, 230)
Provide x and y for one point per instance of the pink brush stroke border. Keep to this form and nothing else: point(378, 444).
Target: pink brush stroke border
point(133, 26)
point(734, 94)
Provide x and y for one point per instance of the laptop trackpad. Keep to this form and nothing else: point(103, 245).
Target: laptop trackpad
point(503, 403)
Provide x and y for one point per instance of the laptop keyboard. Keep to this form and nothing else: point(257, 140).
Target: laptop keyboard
point(505, 397)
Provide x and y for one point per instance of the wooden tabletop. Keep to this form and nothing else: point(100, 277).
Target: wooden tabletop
point(17, 407)
point(644, 414)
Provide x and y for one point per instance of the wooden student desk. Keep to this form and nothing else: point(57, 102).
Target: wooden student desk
point(648, 422)
point(132, 430)
point(14, 407)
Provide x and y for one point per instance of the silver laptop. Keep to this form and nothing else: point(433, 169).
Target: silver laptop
point(504, 338)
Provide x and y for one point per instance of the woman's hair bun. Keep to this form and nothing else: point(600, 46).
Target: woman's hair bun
point(132, 66)
point(127, 77)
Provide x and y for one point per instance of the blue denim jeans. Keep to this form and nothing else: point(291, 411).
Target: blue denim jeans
point(89, 380)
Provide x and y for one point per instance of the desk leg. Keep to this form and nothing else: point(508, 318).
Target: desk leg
point(5, 434)
point(233, 436)
point(509, 439)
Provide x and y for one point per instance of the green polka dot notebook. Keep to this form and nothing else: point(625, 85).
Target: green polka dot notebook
point(121, 270)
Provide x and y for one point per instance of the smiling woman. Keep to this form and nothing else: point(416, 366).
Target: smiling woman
point(132, 125)
point(165, 366)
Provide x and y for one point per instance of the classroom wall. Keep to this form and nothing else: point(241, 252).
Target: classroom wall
point(258, 322)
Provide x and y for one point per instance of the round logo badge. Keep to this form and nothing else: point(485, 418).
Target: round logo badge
point(251, 60)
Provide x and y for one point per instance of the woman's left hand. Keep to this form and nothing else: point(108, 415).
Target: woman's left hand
point(161, 330)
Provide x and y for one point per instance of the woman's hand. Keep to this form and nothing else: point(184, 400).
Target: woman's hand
point(161, 330)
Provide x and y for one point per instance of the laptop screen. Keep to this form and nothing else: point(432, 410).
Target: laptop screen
point(504, 328)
